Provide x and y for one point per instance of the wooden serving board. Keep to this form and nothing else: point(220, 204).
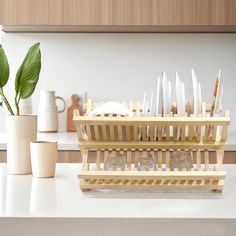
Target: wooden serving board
point(74, 106)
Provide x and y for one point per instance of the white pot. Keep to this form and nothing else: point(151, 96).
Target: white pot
point(43, 158)
point(21, 130)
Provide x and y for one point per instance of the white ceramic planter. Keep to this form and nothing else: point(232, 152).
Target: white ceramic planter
point(43, 158)
point(21, 130)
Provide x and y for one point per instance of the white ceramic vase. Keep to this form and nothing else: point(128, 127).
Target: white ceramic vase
point(48, 112)
point(43, 158)
point(21, 130)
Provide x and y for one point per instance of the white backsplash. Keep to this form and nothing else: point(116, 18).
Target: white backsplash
point(122, 66)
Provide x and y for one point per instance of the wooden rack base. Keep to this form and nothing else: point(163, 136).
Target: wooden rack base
point(214, 185)
point(152, 180)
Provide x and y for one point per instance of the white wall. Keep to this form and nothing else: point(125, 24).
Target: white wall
point(2, 115)
point(121, 66)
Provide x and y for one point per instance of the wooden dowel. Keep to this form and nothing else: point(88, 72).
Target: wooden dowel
point(167, 131)
point(112, 133)
point(152, 132)
point(98, 159)
point(160, 133)
point(159, 160)
point(106, 153)
point(190, 133)
point(96, 132)
point(154, 160)
point(136, 154)
point(214, 133)
point(183, 130)
point(175, 130)
point(207, 132)
point(127, 130)
point(136, 133)
point(88, 131)
point(129, 160)
point(120, 133)
point(104, 133)
point(224, 133)
point(198, 133)
point(167, 160)
point(206, 157)
point(198, 160)
point(84, 154)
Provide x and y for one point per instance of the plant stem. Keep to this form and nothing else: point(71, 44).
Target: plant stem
point(6, 102)
point(17, 106)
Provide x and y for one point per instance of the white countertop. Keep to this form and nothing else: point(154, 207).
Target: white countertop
point(26, 196)
point(57, 207)
point(69, 141)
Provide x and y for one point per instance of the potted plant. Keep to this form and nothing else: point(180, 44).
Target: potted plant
point(21, 129)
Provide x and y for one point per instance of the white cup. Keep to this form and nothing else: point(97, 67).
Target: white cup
point(43, 158)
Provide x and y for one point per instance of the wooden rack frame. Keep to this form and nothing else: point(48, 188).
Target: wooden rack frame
point(159, 136)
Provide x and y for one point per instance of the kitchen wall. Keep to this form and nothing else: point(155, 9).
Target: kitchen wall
point(2, 114)
point(122, 66)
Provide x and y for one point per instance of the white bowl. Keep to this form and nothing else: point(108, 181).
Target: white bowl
point(111, 108)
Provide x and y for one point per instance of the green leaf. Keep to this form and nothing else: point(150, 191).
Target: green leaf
point(28, 74)
point(4, 68)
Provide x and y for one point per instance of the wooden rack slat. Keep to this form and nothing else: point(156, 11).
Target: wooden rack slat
point(152, 132)
point(167, 160)
point(206, 157)
point(198, 153)
point(98, 157)
point(183, 130)
point(154, 120)
point(144, 133)
point(151, 145)
point(177, 175)
point(129, 160)
point(159, 160)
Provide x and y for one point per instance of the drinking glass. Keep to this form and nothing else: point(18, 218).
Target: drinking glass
point(145, 162)
point(115, 162)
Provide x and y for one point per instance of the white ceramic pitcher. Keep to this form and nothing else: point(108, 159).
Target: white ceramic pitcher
point(48, 112)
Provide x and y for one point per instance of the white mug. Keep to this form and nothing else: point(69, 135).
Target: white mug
point(48, 112)
point(43, 158)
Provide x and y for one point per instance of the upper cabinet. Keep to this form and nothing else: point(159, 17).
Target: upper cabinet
point(118, 15)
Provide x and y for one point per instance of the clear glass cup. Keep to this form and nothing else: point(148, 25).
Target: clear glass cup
point(145, 162)
point(181, 160)
point(115, 162)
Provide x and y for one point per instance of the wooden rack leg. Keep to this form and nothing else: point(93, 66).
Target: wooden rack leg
point(83, 186)
point(220, 187)
point(84, 153)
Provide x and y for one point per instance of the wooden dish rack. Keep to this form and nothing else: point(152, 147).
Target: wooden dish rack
point(159, 137)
